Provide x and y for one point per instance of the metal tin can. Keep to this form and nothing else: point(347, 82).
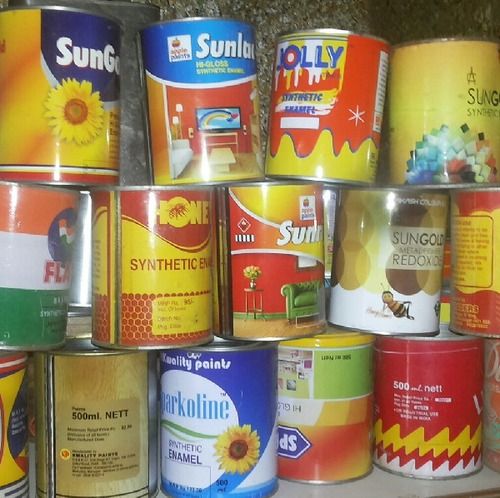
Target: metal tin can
point(60, 114)
point(491, 418)
point(35, 264)
point(271, 267)
point(388, 260)
point(329, 205)
point(13, 425)
point(96, 422)
point(152, 266)
point(444, 123)
point(325, 407)
point(218, 423)
point(475, 282)
point(203, 102)
point(326, 106)
point(428, 405)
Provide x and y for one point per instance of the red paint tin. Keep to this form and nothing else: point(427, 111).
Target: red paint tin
point(492, 403)
point(428, 405)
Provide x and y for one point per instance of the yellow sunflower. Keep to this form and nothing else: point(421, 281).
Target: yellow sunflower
point(74, 112)
point(237, 449)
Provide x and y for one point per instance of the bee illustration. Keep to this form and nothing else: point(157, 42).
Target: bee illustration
point(399, 309)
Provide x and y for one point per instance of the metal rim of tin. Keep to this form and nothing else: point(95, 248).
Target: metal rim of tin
point(426, 477)
point(40, 186)
point(196, 19)
point(473, 335)
point(335, 339)
point(62, 8)
point(476, 190)
point(269, 183)
point(228, 345)
point(385, 333)
point(329, 31)
point(441, 186)
point(326, 483)
point(452, 39)
point(151, 188)
point(83, 346)
point(421, 189)
point(119, 346)
point(445, 335)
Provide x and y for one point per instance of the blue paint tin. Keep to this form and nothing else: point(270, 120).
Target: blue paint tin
point(218, 420)
point(203, 100)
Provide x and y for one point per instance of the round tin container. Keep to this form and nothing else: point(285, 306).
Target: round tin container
point(152, 266)
point(388, 260)
point(326, 106)
point(428, 405)
point(203, 102)
point(37, 228)
point(218, 420)
point(271, 260)
point(96, 422)
point(491, 418)
point(443, 110)
point(475, 283)
point(325, 407)
point(60, 114)
point(13, 425)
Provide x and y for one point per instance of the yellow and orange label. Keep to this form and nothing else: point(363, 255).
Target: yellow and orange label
point(152, 257)
point(59, 95)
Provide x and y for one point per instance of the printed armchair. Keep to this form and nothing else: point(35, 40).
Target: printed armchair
point(302, 299)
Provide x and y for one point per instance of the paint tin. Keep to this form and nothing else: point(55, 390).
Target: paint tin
point(13, 425)
point(35, 264)
point(218, 423)
point(329, 205)
point(60, 114)
point(271, 267)
point(475, 283)
point(428, 405)
point(96, 424)
point(203, 102)
point(388, 260)
point(443, 110)
point(325, 405)
point(491, 418)
point(326, 106)
point(152, 267)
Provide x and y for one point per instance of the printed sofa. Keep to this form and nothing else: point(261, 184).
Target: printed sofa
point(302, 299)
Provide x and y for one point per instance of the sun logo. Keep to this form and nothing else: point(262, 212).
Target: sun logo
point(179, 212)
point(237, 449)
point(65, 454)
point(74, 112)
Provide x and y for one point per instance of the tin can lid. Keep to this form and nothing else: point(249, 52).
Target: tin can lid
point(332, 338)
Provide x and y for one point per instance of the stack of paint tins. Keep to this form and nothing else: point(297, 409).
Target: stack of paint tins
point(60, 138)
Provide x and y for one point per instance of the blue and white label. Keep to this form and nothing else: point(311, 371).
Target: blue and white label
point(199, 51)
point(291, 442)
point(214, 440)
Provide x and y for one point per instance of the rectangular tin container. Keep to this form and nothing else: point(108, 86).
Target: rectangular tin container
point(271, 260)
point(475, 282)
point(388, 260)
point(326, 109)
point(35, 264)
point(152, 266)
point(443, 110)
point(325, 407)
point(13, 425)
point(218, 423)
point(59, 95)
point(203, 100)
point(428, 405)
point(491, 418)
point(96, 422)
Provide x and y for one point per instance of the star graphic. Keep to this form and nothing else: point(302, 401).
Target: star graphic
point(356, 115)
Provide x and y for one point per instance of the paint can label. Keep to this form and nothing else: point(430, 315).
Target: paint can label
point(276, 256)
point(326, 106)
point(157, 244)
point(213, 440)
point(443, 125)
point(388, 261)
point(491, 450)
point(324, 422)
point(100, 413)
point(203, 103)
point(475, 287)
point(13, 426)
point(59, 95)
point(428, 420)
point(35, 265)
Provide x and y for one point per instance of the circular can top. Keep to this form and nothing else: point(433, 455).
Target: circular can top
point(333, 32)
point(440, 41)
point(332, 338)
